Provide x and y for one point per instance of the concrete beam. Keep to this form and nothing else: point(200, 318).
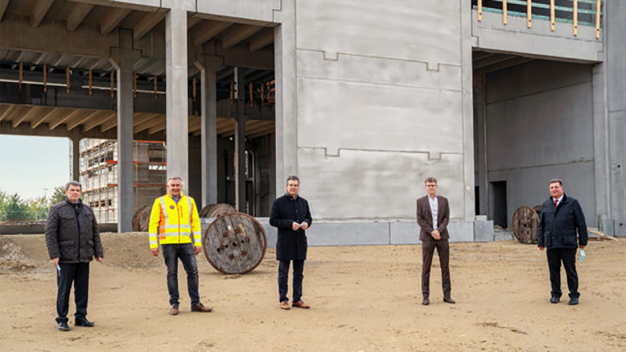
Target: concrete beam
point(77, 15)
point(262, 39)
point(75, 159)
point(113, 19)
point(206, 30)
point(33, 112)
point(3, 7)
point(53, 113)
point(44, 131)
point(78, 113)
point(110, 116)
point(149, 21)
point(141, 5)
point(154, 120)
point(90, 115)
point(192, 21)
point(39, 12)
point(237, 34)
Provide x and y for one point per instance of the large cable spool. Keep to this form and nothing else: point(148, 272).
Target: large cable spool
point(525, 222)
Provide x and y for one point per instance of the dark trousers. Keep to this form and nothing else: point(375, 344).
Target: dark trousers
point(79, 275)
point(184, 252)
point(568, 257)
point(283, 275)
point(443, 250)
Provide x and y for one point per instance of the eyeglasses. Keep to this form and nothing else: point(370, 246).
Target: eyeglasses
point(431, 186)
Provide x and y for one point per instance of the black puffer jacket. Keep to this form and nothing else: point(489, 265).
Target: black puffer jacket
point(72, 233)
point(558, 225)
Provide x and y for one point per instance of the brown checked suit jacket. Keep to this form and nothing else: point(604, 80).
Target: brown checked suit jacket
point(425, 218)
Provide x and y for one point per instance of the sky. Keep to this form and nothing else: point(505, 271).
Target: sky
point(30, 164)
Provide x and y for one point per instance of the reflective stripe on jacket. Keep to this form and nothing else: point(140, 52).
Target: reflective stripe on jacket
point(174, 222)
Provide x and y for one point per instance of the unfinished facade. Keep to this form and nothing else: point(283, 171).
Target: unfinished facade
point(493, 98)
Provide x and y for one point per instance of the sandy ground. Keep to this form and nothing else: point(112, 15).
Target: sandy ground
point(363, 298)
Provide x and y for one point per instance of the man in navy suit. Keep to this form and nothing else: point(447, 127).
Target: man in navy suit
point(433, 215)
point(291, 215)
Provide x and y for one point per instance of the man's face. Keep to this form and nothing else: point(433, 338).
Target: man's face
point(292, 187)
point(431, 189)
point(556, 190)
point(73, 193)
point(174, 187)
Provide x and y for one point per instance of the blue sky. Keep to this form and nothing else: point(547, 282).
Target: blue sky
point(30, 164)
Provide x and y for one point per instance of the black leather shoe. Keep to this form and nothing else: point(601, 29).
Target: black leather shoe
point(64, 327)
point(554, 299)
point(83, 322)
point(573, 301)
point(426, 301)
point(449, 300)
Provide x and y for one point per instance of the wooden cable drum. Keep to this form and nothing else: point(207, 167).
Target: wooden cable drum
point(141, 219)
point(525, 222)
point(215, 210)
point(234, 243)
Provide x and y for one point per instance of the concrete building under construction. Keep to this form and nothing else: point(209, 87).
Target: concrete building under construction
point(361, 99)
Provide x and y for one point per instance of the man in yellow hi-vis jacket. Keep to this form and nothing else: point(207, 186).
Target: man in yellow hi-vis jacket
point(175, 217)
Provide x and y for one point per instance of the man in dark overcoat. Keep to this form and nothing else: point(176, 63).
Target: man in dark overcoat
point(561, 216)
point(291, 215)
point(73, 240)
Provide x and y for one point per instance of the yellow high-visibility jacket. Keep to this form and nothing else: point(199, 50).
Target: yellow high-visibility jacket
point(175, 222)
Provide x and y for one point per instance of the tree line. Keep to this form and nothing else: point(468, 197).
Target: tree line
point(15, 209)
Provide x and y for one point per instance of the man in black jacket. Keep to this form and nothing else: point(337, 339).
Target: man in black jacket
point(291, 215)
point(73, 240)
point(560, 217)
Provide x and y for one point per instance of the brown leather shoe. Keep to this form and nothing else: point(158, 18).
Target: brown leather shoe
point(174, 309)
point(449, 300)
point(201, 308)
point(284, 305)
point(300, 304)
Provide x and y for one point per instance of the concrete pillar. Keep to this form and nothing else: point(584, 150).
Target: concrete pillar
point(468, 120)
point(480, 128)
point(208, 67)
point(240, 141)
point(125, 191)
point(286, 95)
point(177, 108)
point(615, 65)
point(75, 148)
point(600, 140)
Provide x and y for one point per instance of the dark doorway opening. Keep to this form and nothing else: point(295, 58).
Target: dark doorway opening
point(498, 190)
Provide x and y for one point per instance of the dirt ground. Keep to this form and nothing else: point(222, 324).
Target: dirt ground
point(363, 298)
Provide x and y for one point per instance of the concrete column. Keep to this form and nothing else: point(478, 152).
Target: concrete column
point(600, 140)
point(468, 119)
point(125, 189)
point(208, 67)
point(177, 108)
point(286, 95)
point(481, 138)
point(75, 172)
point(240, 141)
point(615, 65)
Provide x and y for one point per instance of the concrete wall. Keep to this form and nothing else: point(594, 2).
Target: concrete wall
point(377, 113)
point(539, 120)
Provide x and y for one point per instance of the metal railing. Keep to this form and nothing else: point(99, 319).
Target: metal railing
point(573, 12)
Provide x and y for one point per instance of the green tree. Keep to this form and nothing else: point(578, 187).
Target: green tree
point(58, 195)
point(39, 208)
point(15, 208)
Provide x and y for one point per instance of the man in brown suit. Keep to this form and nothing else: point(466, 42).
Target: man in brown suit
point(433, 215)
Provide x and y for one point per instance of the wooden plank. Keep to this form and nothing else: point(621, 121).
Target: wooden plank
point(598, 7)
point(504, 14)
point(529, 13)
point(552, 16)
point(575, 9)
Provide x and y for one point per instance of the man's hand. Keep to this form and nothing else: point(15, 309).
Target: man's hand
point(55, 261)
point(304, 226)
point(155, 251)
point(197, 250)
point(295, 226)
point(436, 235)
point(99, 259)
point(541, 248)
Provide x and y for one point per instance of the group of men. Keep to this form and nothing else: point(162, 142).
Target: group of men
point(73, 241)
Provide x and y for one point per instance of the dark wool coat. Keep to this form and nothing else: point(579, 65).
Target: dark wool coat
point(558, 225)
point(72, 233)
point(291, 245)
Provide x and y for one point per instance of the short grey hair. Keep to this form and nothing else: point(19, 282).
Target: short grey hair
point(175, 178)
point(556, 180)
point(293, 178)
point(73, 183)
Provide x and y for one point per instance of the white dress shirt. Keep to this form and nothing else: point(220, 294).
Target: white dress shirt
point(434, 206)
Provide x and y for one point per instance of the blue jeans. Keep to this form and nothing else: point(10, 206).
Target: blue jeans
point(283, 275)
point(171, 253)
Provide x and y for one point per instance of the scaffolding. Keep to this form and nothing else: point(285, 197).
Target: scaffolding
point(99, 175)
